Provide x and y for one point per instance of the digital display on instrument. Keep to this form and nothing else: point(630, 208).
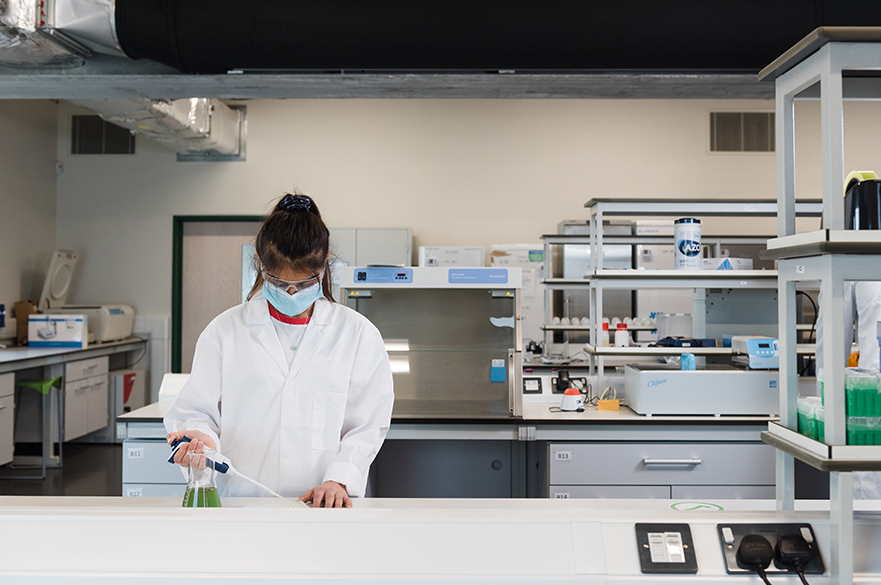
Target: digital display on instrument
point(764, 345)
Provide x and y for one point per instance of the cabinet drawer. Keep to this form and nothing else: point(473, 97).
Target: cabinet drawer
point(724, 492)
point(7, 415)
point(147, 462)
point(154, 490)
point(82, 369)
point(7, 384)
point(648, 492)
point(661, 464)
point(76, 409)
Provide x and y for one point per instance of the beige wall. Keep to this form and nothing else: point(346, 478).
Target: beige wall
point(27, 198)
point(459, 172)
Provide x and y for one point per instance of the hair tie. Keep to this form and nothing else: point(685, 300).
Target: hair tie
point(292, 202)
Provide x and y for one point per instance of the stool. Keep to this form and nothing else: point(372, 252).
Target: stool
point(44, 387)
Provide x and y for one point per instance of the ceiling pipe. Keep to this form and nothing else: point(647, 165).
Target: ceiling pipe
point(195, 126)
point(478, 36)
point(25, 42)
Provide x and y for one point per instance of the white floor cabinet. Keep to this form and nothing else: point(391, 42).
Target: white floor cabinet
point(86, 404)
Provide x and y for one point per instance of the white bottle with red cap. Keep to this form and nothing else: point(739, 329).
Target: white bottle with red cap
point(622, 336)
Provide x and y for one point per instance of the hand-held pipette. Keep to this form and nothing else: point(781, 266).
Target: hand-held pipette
point(221, 465)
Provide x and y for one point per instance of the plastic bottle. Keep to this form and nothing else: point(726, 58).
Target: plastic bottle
point(605, 335)
point(687, 239)
point(622, 336)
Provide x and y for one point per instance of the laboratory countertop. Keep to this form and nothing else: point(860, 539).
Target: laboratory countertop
point(17, 358)
point(538, 413)
point(60, 504)
point(438, 541)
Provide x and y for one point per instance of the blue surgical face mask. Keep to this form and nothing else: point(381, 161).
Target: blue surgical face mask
point(291, 305)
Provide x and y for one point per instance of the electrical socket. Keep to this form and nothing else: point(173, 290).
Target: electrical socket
point(581, 381)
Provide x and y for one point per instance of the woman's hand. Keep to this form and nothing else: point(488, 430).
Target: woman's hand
point(198, 440)
point(330, 493)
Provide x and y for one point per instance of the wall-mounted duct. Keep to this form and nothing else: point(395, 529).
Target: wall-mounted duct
point(211, 36)
point(201, 127)
point(24, 42)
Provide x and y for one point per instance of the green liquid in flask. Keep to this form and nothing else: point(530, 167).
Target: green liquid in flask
point(203, 497)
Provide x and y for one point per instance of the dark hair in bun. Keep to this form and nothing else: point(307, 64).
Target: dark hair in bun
point(294, 236)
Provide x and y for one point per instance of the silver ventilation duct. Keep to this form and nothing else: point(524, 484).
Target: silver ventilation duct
point(91, 22)
point(25, 42)
point(195, 127)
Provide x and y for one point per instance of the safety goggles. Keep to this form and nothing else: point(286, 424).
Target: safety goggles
point(286, 285)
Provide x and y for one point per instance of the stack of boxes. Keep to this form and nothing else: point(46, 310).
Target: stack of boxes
point(862, 406)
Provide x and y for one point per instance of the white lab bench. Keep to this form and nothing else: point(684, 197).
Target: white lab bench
point(609, 453)
point(79, 541)
point(82, 401)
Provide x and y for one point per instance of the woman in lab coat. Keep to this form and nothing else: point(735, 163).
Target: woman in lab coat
point(293, 388)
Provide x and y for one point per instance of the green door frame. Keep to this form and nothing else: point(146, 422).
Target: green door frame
point(177, 275)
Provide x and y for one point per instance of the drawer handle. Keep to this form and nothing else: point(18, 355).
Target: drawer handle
point(92, 367)
point(3, 407)
point(671, 461)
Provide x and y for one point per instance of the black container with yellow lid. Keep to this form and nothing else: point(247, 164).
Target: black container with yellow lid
point(862, 201)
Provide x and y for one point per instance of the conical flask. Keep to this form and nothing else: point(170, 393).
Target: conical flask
point(201, 481)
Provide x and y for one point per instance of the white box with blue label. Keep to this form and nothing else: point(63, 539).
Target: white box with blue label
point(69, 330)
point(727, 263)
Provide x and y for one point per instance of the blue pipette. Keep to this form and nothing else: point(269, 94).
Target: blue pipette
point(221, 465)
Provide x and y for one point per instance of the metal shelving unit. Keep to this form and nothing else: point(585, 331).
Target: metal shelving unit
point(657, 278)
point(830, 256)
point(601, 279)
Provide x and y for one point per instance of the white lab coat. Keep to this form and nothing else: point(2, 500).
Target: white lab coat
point(864, 298)
point(291, 429)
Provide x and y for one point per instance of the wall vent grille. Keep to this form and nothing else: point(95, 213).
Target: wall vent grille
point(741, 131)
point(91, 135)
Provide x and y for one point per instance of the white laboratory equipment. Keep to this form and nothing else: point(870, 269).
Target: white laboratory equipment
point(713, 389)
point(453, 336)
point(105, 322)
point(452, 256)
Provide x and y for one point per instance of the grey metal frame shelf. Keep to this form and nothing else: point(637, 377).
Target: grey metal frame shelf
point(600, 279)
point(820, 455)
point(829, 256)
point(599, 207)
point(655, 351)
point(698, 280)
point(715, 243)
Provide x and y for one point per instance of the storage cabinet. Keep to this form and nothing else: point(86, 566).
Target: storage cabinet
point(99, 403)
point(661, 470)
point(7, 416)
point(76, 409)
point(146, 472)
point(86, 399)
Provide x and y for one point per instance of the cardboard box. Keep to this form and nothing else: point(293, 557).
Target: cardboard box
point(58, 331)
point(522, 255)
point(729, 263)
point(23, 310)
